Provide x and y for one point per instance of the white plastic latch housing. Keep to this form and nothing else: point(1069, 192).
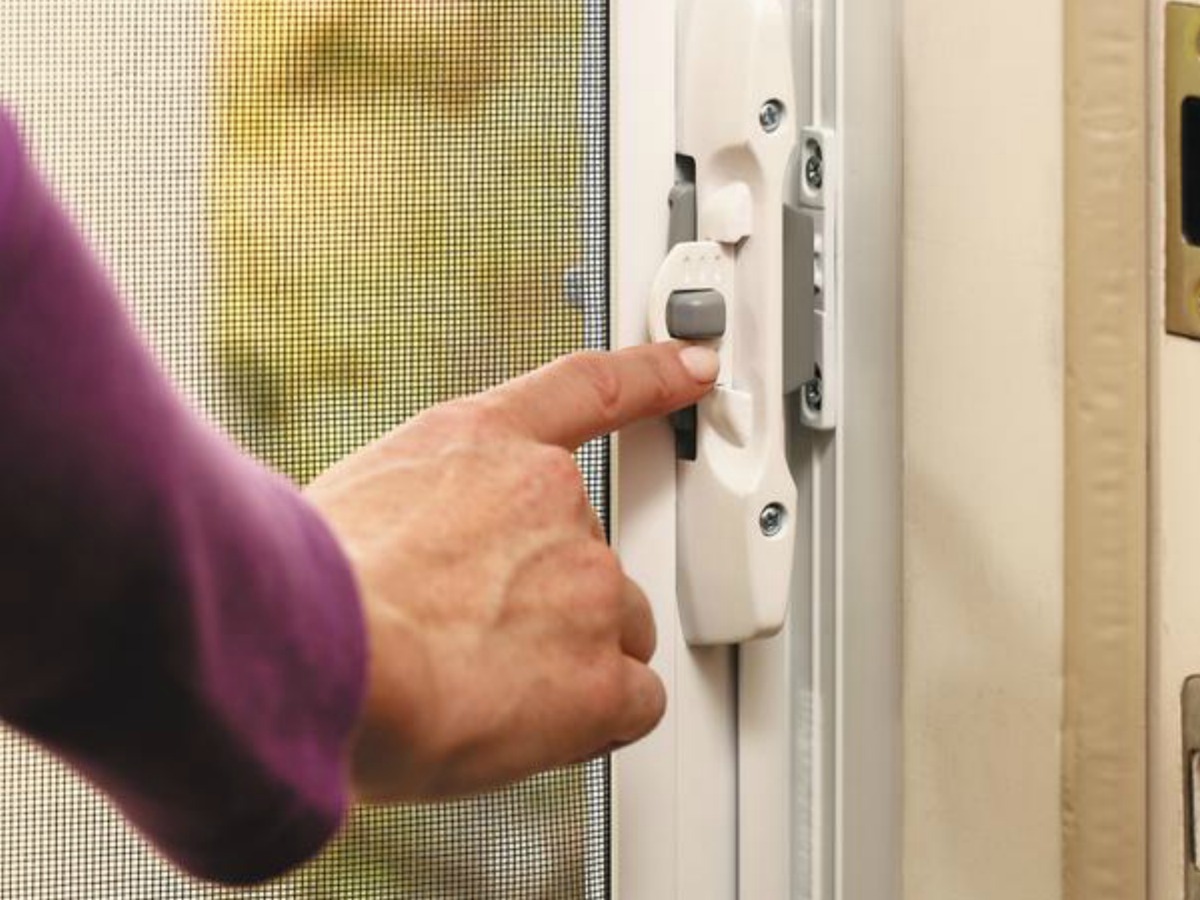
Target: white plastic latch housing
point(737, 500)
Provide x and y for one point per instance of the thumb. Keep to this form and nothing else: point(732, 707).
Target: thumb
point(589, 395)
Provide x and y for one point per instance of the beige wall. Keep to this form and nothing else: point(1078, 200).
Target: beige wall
point(983, 401)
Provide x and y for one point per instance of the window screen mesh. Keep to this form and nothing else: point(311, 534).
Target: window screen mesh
point(328, 216)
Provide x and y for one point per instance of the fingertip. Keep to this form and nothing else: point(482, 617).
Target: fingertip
point(702, 363)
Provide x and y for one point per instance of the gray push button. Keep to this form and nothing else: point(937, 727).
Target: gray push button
point(696, 315)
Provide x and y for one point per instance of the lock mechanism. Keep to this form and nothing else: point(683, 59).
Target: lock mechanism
point(744, 276)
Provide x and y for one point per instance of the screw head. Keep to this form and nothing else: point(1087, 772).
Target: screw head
point(814, 395)
point(772, 519)
point(771, 116)
point(814, 167)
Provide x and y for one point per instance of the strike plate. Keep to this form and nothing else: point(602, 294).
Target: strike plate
point(1191, 785)
point(1183, 170)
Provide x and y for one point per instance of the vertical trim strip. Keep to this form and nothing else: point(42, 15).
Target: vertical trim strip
point(1104, 741)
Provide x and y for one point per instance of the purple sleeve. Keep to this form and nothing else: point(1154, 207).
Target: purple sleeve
point(175, 621)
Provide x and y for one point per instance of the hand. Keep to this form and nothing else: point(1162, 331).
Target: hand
point(505, 639)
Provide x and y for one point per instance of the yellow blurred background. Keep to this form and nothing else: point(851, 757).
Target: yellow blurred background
point(395, 208)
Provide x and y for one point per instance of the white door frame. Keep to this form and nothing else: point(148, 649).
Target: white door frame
point(869, 577)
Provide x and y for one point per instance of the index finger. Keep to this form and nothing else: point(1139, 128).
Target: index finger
point(589, 395)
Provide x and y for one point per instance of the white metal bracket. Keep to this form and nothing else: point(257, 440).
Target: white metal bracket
point(817, 190)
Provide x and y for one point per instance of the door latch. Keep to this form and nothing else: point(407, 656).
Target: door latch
point(746, 274)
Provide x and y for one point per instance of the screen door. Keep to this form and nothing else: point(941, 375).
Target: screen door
point(326, 217)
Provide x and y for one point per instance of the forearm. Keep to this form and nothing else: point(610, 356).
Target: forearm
point(176, 621)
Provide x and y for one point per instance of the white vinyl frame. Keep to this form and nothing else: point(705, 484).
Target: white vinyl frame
point(777, 771)
point(674, 808)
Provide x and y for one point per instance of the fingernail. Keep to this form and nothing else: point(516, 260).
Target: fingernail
point(702, 363)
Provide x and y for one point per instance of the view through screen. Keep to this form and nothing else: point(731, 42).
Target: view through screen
point(326, 217)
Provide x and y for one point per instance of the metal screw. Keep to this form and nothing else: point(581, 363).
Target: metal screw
point(814, 168)
point(771, 116)
point(814, 395)
point(772, 520)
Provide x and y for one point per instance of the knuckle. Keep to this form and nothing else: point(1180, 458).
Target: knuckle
point(548, 479)
point(466, 421)
point(478, 421)
point(642, 614)
point(558, 466)
point(663, 383)
point(609, 689)
point(488, 413)
point(444, 419)
point(632, 705)
point(603, 383)
point(599, 566)
point(553, 481)
point(656, 703)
